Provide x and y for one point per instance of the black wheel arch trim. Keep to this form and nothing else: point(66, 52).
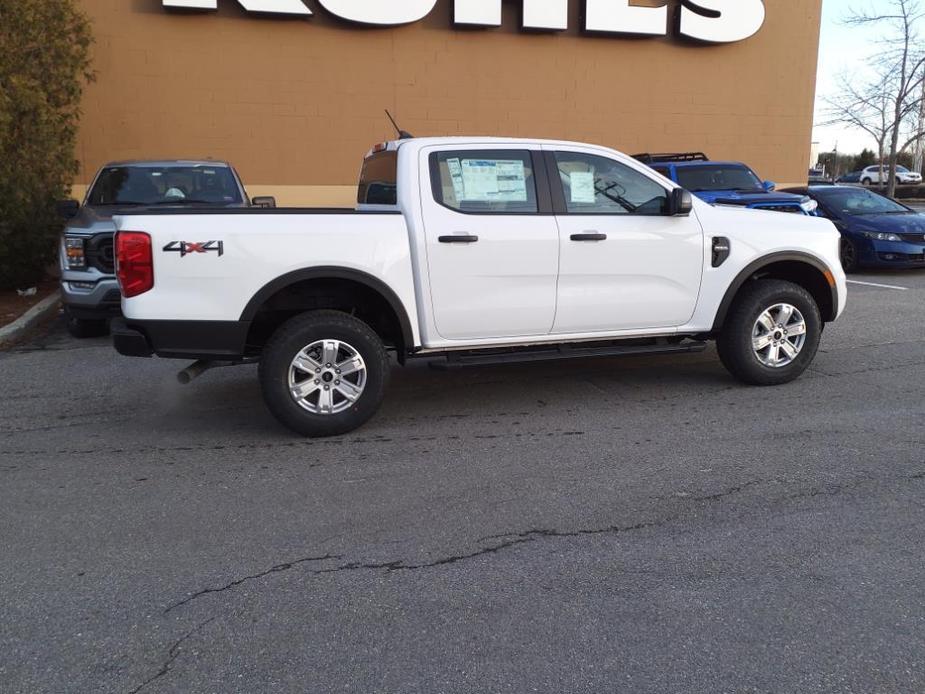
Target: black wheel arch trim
point(338, 273)
point(764, 261)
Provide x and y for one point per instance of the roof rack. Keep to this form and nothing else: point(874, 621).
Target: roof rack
point(678, 156)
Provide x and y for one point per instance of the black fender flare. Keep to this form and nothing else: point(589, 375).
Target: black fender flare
point(338, 273)
point(764, 261)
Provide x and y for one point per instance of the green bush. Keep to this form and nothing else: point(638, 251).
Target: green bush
point(44, 64)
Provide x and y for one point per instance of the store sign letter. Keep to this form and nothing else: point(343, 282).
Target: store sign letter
point(619, 17)
point(380, 12)
point(737, 20)
point(711, 21)
point(550, 15)
point(270, 6)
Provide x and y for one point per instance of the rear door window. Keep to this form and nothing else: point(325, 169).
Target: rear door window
point(485, 181)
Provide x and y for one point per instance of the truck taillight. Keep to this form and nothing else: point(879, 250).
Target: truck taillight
point(134, 262)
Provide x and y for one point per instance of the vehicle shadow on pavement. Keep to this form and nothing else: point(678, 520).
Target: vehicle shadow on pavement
point(227, 402)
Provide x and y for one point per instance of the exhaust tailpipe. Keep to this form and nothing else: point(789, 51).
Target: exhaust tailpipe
point(194, 371)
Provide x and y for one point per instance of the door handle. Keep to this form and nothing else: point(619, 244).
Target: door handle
point(589, 236)
point(459, 238)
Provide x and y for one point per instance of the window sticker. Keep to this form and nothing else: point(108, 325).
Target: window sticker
point(480, 179)
point(456, 174)
point(582, 187)
point(487, 180)
point(512, 181)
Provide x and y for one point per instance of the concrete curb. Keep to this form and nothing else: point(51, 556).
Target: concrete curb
point(35, 315)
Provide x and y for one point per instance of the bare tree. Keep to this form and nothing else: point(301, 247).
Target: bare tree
point(865, 106)
point(884, 105)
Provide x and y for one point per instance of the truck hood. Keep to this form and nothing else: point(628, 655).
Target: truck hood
point(750, 219)
point(733, 197)
point(93, 220)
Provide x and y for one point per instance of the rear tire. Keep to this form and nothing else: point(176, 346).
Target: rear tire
point(82, 328)
point(867, 181)
point(324, 373)
point(771, 334)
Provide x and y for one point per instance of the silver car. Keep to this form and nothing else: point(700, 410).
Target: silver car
point(89, 288)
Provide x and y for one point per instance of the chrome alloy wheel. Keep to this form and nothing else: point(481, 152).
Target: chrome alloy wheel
point(779, 335)
point(327, 377)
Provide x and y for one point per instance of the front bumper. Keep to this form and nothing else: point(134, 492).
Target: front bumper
point(86, 296)
point(896, 254)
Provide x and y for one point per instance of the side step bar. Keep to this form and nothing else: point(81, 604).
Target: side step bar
point(455, 360)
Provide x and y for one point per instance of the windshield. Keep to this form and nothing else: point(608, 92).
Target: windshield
point(718, 177)
point(857, 201)
point(165, 185)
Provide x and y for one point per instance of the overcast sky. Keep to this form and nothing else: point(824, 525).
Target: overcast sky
point(843, 48)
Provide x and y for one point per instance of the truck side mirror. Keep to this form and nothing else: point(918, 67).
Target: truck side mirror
point(67, 209)
point(769, 186)
point(680, 203)
point(264, 201)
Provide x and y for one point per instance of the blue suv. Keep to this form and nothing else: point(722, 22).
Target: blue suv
point(725, 183)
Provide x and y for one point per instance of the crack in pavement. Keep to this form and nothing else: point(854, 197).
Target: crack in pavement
point(400, 565)
point(172, 654)
point(279, 568)
point(514, 539)
point(521, 538)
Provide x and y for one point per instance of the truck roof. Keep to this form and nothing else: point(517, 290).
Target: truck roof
point(692, 164)
point(157, 163)
point(475, 140)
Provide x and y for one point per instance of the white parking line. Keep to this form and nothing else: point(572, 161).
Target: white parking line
point(881, 286)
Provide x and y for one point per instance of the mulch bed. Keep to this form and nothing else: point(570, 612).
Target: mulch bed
point(12, 306)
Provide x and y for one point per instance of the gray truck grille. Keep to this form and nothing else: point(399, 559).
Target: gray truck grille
point(101, 254)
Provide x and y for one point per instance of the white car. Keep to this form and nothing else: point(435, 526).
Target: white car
point(871, 175)
point(477, 251)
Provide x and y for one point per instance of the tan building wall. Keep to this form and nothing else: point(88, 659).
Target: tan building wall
point(295, 103)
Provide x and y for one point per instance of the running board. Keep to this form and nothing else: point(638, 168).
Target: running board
point(456, 360)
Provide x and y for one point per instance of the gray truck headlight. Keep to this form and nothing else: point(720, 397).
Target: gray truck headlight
point(76, 254)
point(809, 205)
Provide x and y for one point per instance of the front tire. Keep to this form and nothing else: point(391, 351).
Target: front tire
point(83, 328)
point(771, 334)
point(849, 255)
point(324, 373)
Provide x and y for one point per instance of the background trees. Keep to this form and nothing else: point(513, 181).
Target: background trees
point(887, 101)
point(44, 64)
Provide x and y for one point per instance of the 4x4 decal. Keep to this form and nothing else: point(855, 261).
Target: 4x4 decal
point(184, 248)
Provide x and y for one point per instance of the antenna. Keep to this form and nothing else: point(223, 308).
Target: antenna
point(402, 134)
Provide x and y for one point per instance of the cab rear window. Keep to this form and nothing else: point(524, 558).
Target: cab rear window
point(379, 179)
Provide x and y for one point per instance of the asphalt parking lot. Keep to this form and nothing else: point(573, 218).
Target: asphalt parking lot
point(637, 525)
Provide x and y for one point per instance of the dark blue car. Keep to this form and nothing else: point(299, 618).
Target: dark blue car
point(876, 230)
point(725, 183)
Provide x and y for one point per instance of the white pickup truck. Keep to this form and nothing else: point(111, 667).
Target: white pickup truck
point(476, 250)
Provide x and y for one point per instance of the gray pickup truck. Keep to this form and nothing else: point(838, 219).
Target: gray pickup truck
point(89, 288)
